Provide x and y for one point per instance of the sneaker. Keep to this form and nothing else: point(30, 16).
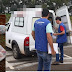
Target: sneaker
point(55, 63)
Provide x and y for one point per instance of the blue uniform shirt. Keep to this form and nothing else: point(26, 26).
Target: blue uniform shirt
point(61, 38)
point(41, 27)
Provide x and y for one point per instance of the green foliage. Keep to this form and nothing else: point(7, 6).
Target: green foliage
point(6, 2)
point(14, 8)
point(31, 3)
point(60, 3)
point(7, 17)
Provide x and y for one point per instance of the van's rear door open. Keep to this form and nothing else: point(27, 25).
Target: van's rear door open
point(63, 13)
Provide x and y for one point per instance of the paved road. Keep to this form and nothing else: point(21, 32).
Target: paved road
point(29, 63)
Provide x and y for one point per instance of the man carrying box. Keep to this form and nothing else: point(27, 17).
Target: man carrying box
point(42, 35)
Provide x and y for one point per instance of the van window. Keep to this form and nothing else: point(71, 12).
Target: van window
point(19, 21)
point(33, 21)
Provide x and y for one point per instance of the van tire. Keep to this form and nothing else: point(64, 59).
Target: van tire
point(16, 52)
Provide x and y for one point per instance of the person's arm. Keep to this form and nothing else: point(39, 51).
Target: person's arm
point(61, 29)
point(33, 34)
point(63, 32)
point(49, 37)
point(55, 28)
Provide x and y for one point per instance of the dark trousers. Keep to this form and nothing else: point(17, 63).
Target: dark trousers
point(60, 45)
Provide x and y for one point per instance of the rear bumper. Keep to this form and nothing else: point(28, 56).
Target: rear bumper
point(28, 52)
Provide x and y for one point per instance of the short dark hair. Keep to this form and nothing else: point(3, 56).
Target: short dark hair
point(58, 18)
point(45, 12)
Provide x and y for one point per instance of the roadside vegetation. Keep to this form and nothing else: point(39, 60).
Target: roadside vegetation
point(7, 17)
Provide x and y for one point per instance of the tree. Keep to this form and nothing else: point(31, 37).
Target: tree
point(55, 4)
point(13, 7)
point(50, 4)
point(2, 7)
point(60, 3)
point(6, 3)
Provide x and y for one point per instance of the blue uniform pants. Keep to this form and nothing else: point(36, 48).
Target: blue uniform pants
point(60, 45)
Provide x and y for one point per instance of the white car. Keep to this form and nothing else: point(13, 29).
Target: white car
point(18, 34)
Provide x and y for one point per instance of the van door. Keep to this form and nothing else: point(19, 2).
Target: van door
point(8, 36)
point(32, 15)
point(63, 13)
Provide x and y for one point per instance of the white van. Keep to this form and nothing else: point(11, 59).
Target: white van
point(18, 34)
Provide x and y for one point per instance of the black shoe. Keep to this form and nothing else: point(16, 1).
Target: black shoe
point(60, 61)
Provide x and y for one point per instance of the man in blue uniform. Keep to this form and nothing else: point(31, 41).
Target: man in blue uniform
point(61, 39)
point(42, 35)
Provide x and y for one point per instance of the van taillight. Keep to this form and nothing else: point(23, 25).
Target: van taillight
point(26, 41)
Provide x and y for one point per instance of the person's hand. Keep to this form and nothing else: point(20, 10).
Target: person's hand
point(53, 52)
point(54, 34)
point(55, 27)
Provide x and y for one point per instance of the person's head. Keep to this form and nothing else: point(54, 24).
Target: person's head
point(45, 13)
point(58, 20)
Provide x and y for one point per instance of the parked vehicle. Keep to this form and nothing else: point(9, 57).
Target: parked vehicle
point(18, 34)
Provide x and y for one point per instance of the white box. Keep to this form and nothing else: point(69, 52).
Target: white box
point(55, 45)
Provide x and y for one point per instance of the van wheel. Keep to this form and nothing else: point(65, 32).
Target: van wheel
point(16, 52)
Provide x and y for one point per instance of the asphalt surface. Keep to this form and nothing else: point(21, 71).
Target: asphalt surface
point(29, 63)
